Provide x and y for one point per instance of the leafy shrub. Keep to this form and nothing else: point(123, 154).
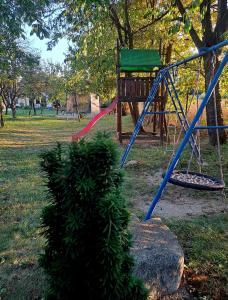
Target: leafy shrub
point(87, 250)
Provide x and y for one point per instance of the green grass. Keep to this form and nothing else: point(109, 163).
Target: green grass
point(200, 235)
point(23, 196)
point(39, 112)
point(205, 244)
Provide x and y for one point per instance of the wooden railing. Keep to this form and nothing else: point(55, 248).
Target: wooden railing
point(135, 89)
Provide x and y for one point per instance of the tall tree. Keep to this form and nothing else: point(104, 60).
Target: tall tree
point(13, 17)
point(1, 113)
point(94, 27)
point(15, 63)
point(212, 30)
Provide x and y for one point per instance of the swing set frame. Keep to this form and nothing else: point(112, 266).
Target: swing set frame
point(166, 76)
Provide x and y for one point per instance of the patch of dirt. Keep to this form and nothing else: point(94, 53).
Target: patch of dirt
point(178, 202)
point(25, 282)
point(198, 284)
point(211, 286)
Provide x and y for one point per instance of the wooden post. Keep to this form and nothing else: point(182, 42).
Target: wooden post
point(118, 110)
point(119, 122)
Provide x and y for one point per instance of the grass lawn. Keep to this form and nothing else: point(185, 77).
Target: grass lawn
point(22, 196)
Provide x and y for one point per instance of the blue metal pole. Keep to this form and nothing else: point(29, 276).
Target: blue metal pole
point(212, 127)
point(160, 112)
point(201, 53)
point(187, 136)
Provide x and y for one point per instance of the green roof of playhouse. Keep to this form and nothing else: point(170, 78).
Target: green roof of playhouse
point(139, 60)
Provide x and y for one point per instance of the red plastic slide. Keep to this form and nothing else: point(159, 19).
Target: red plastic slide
point(89, 126)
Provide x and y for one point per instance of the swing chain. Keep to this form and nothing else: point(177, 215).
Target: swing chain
point(197, 134)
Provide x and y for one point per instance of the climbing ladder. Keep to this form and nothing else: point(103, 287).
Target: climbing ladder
point(168, 75)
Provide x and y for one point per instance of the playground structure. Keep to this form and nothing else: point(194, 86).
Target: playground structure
point(183, 178)
point(134, 90)
point(167, 76)
point(133, 86)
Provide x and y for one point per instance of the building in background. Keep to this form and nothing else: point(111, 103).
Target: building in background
point(85, 104)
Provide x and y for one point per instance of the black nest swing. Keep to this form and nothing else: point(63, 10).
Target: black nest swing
point(196, 181)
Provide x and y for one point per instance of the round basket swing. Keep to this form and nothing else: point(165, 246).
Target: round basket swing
point(195, 180)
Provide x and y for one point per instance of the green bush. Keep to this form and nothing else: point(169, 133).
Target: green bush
point(85, 225)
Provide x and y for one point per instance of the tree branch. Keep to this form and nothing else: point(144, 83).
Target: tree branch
point(128, 32)
point(151, 23)
point(197, 41)
point(222, 20)
point(115, 19)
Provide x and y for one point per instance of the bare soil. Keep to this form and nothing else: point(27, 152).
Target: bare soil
point(178, 202)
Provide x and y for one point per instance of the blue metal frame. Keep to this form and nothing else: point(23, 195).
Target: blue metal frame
point(187, 136)
point(161, 76)
point(165, 75)
point(201, 53)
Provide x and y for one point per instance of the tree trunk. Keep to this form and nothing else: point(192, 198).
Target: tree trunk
point(34, 108)
point(13, 107)
point(124, 108)
point(210, 108)
point(136, 113)
point(30, 107)
point(1, 117)
point(7, 107)
point(211, 35)
point(126, 39)
point(134, 107)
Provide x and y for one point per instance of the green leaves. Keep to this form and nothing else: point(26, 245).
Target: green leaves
point(39, 31)
point(175, 28)
point(14, 14)
point(203, 11)
point(195, 4)
point(148, 13)
point(87, 250)
point(187, 25)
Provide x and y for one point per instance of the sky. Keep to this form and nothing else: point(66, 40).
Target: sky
point(56, 55)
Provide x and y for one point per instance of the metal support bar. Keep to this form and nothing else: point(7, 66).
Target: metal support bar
point(160, 112)
point(212, 127)
point(181, 116)
point(201, 53)
point(187, 136)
